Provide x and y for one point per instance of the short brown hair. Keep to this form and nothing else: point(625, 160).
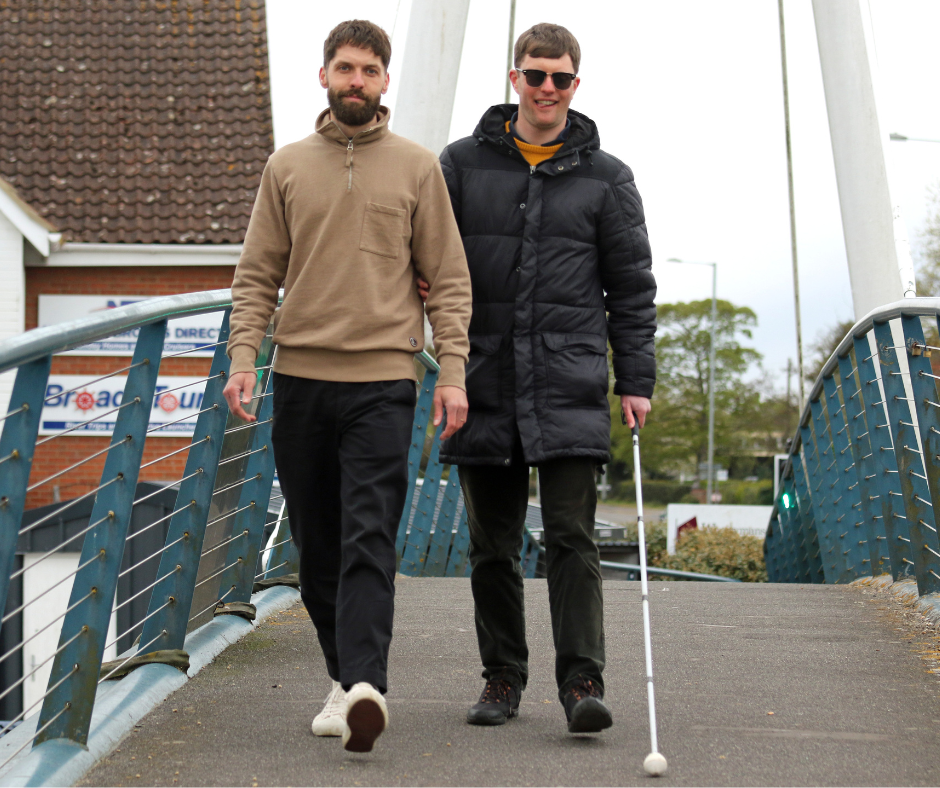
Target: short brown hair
point(547, 40)
point(359, 33)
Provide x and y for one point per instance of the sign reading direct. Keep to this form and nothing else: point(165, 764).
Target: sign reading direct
point(69, 404)
point(183, 334)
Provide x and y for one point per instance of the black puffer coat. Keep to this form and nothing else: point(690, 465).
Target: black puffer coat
point(560, 262)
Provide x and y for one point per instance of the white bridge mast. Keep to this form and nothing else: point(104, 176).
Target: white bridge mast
point(428, 79)
point(880, 266)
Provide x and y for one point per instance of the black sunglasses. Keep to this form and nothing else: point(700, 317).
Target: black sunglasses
point(534, 78)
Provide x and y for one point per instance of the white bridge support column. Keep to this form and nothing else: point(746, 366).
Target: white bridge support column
point(858, 151)
point(428, 79)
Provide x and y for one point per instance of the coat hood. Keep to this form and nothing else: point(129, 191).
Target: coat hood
point(583, 134)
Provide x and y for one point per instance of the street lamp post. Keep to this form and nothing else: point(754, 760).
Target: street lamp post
point(894, 136)
point(711, 374)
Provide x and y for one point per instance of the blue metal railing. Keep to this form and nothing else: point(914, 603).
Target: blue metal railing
point(225, 533)
point(858, 492)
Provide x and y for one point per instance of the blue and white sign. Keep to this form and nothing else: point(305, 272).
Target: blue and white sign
point(182, 334)
point(70, 403)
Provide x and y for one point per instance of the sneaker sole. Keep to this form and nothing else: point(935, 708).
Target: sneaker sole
point(333, 727)
point(365, 722)
point(590, 716)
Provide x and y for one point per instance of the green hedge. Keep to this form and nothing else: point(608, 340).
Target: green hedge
point(656, 539)
point(662, 492)
point(759, 493)
point(654, 491)
point(718, 551)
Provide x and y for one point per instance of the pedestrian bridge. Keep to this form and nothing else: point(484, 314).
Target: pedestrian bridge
point(183, 584)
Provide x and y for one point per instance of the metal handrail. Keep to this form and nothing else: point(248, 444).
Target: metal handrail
point(57, 338)
point(843, 474)
point(39, 342)
point(913, 307)
point(653, 570)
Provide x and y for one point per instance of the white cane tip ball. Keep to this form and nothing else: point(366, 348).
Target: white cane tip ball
point(655, 764)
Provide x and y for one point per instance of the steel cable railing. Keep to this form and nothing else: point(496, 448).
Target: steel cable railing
point(171, 510)
point(100, 513)
point(857, 495)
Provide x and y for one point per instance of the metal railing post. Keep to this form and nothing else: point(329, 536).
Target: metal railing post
point(808, 521)
point(830, 555)
point(415, 551)
point(832, 496)
point(242, 559)
point(772, 550)
point(74, 679)
point(419, 431)
point(443, 528)
point(887, 499)
point(911, 472)
point(784, 548)
point(866, 467)
point(795, 526)
point(170, 601)
point(457, 560)
point(927, 408)
point(853, 533)
point(17, 445)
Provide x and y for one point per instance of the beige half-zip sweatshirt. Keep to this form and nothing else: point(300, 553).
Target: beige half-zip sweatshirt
point(345, 225)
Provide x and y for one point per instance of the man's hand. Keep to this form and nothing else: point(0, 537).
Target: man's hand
point(634, 405)
point(239, 389)
point(423, 289)
point(454, 399)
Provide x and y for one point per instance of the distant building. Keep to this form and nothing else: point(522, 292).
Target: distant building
point(132, 140)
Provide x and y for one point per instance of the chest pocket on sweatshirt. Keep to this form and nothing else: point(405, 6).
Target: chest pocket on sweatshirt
point(382, 230)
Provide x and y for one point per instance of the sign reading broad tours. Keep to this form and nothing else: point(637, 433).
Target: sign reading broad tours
point(69, 404)
point(182, 334)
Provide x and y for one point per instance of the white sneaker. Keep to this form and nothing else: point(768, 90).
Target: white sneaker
point(332, 720)
point(366, 717)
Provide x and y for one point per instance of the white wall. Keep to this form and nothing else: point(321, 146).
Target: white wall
point(12, 296)
point(41, 575)
point(748, 520)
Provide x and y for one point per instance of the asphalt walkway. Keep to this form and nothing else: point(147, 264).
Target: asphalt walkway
point(756, 685)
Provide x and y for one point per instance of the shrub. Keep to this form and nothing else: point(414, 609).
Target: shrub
point(718, 551)
point(656, 538)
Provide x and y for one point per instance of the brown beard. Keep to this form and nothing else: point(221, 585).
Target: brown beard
point(352, 115)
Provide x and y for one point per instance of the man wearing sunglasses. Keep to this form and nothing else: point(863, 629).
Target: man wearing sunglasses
point(560, 262)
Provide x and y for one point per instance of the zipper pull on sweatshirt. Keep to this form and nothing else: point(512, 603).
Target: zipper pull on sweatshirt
point(349, 154)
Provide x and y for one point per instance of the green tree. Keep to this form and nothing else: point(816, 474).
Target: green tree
point(676, 435)
point(825, 344)
point(928, 271)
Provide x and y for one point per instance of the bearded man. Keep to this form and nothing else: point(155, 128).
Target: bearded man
point(346, 220)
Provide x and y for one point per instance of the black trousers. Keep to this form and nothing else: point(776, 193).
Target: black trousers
point(496, 499)
point(342, 459)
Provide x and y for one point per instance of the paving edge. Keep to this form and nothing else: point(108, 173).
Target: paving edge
point(120, 705)
point(906, 593)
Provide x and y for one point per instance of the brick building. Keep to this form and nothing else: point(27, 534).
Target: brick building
point(132, 140)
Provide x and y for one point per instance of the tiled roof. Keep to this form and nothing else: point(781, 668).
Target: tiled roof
point(136, 121)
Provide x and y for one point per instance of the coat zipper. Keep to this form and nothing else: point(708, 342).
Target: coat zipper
point(349, 154)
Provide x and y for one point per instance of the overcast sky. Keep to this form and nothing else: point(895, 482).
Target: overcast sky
point(688, 93)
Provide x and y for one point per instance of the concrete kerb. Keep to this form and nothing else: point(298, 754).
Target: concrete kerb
point(122, 704)
point(906, 592)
